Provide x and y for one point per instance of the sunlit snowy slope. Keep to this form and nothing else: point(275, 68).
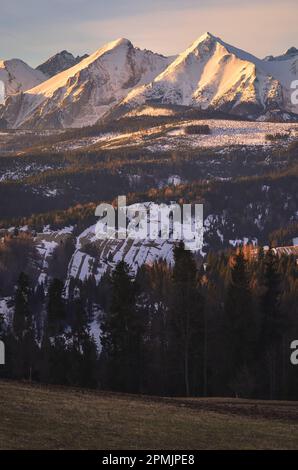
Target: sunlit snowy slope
point(213, 74)
point(80, 95)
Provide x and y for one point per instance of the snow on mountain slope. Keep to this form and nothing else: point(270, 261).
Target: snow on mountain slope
point(19, 76)
point(59, 62)
point(107, 253)
point(79, 96)
point(211, 74)
point(95, 256)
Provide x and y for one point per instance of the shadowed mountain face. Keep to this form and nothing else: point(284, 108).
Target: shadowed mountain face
point(209, 75)
point(59, 62)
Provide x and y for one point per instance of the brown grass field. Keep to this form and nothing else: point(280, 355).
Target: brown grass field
point(41, 417)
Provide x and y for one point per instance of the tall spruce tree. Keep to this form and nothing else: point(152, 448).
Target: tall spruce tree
point(122, 333)
point(22, 315)
point(155, 283)
point(186, 323)
point(26, 352)
point(238, 327)
point(83, 351)
point(56, 314)
point(55, 363)
point(273, 323)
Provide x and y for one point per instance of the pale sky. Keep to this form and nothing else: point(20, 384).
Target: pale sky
point(33, 30)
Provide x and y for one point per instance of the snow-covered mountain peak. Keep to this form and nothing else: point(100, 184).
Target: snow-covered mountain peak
point(203, 38)
point(212, 74)
point(203, 43)
point(120, 43)
point(205, 47)
point(19, 76)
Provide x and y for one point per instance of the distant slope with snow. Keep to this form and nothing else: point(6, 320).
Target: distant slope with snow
point(107, 253)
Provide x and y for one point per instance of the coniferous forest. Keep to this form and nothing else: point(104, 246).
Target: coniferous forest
point(222, 327)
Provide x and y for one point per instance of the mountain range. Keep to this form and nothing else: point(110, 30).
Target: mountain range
point(119, 77)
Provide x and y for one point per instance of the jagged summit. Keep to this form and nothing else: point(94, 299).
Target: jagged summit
point(290, 53)
point(59, 62)
point(206, 38)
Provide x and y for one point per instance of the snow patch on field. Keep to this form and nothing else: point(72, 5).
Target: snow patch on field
point(224, 133)
point(151, 111)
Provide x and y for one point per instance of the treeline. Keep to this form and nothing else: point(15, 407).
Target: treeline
point(254, 207)
point(47, 339)
point(84, 175)
point(220, 328)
